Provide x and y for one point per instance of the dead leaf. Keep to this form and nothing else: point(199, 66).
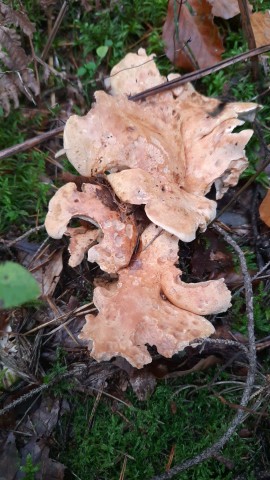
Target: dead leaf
point(9, 459)
point(196, 27)
point(224, 8)
point(260, 22)
point(47, 271)
point(201, 365)
point(48, 468)
point(264, 209)
point(44, 419)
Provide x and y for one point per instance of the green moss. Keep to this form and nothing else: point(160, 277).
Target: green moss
point(146, 433)
point(261, 302)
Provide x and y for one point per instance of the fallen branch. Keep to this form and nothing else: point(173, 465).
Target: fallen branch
point(30, 143)
point(203, 72)
point(219, 444)
point(24, 235)
point(249, 34)
point(76, 370)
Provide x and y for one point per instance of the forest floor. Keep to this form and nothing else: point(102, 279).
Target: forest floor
point(63, 415)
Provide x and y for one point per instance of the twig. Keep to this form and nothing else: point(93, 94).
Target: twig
point(40, 389)
point(203, 72)
point(254, 226)
point(219, 444)
point(54, 31)
point(30, 143)
point(255, 277)
point(248, 32)
point(26, 234)
point(62, 75)
point(242, 189)
point(225, 342)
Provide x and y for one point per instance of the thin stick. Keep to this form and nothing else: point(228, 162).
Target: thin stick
point(219, 444)
point(248, 32)
point(40, 389)
point(54, 30)
point(25, 235)
point(30, 143)
point(255, 277)
point(203, 72)
point(245, 186)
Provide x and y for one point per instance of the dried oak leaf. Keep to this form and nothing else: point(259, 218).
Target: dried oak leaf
point(260, 22)
point(164, 152)
point(116, 246)
point(150, 305)
point(191, 38)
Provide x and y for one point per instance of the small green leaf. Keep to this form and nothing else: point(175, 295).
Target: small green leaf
point(102, 51)
point(91, 67)
point(81, 71)
point(17, 285)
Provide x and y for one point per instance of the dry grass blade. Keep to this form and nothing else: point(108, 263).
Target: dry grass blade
point(94, 409)
point(54, 30)
point(122, 474)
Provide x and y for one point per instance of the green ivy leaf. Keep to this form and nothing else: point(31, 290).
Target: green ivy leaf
point(17, 285)
point(102, 51)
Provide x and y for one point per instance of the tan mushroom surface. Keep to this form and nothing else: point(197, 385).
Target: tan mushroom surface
point(182, 141)
point(133, 74)
point(150, 305)
point(168, 206)
point(81, 239)
point(119, 238)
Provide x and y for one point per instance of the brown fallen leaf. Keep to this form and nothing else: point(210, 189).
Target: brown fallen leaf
point(225, 9)
point(264, 209)
point(201, 365)
point(47, 271)
point(39, 451)
point(260, 22)
point(9, 459)
point(195, 26)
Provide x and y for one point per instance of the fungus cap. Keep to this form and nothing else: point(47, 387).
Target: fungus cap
point(149, 306)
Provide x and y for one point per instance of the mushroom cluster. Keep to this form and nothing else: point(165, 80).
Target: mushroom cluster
point(150, 165)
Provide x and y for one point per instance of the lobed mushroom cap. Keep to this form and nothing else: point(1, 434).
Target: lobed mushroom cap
point(182, 141)
point(133, 74)
point(116, 246)
point(149, 305)
point(166, 205)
